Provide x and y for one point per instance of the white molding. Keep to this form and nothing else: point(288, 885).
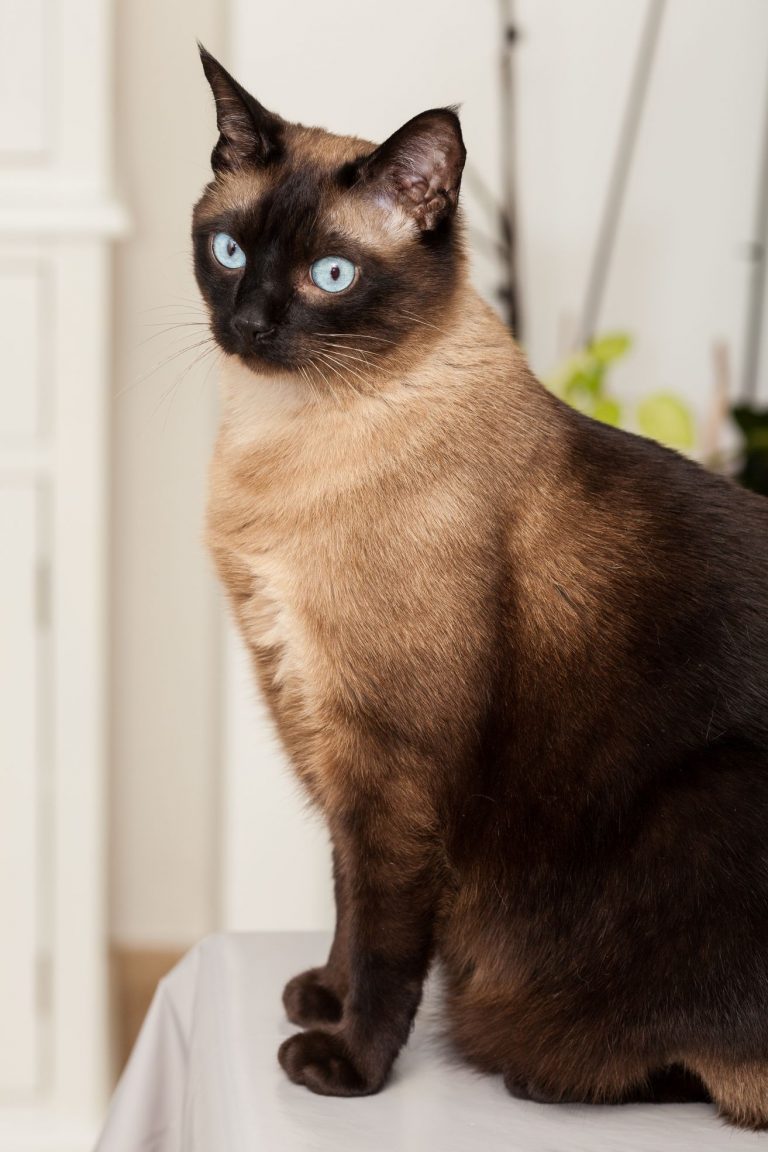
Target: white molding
point(33, 1130)
point(63, 218)
point(37, 67)
point(24, 463)
point(79, 613)
point(105, 218)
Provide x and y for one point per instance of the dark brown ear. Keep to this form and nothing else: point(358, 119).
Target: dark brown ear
point(420, 166)
point(248, 134)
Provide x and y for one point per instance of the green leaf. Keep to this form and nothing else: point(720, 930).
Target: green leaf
point(664, 418)
point(567, 371)
point(579, 399)
point(607, 411)
point(753, 422)
point(746, 417)
point(757, 440)
point(606, 349)
point(586, 381)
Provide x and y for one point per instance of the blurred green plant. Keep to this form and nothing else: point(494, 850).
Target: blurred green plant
point(582, 381)
point(753, 423)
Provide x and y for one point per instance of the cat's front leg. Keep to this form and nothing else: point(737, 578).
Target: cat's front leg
point(391, 870)
point(317, 995)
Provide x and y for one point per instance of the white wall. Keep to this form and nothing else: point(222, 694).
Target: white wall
point(679, 274)
point(680, 267)
point(164, 607)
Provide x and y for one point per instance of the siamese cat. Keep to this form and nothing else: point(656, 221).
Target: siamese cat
point(518, 659)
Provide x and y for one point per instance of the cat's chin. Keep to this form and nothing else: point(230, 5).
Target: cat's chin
point(255, 406)
point(268, 364)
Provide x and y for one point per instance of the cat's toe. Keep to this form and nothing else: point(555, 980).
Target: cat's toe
point(321, 1062)
point(309, 1001)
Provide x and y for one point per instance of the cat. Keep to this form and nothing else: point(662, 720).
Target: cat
point(518, 659)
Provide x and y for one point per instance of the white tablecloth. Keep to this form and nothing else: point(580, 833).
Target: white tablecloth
point(204, 1077)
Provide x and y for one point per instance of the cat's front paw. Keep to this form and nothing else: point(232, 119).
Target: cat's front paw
point(322, 1062)
point(308, 1000)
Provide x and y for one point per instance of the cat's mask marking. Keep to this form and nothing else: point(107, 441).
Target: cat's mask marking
point(291, 195)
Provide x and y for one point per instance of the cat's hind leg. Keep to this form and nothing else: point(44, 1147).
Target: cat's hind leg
point(740, 1091)
point(671, 1085)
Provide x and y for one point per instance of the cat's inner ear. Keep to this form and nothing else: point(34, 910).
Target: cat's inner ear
point(248, 134)
point(419, 167)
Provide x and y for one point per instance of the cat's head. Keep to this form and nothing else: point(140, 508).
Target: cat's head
point(326, 255)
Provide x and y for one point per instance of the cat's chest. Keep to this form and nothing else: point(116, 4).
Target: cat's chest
point(342, 584)
point(302, 607)
point(326, 608)
point(276, 617)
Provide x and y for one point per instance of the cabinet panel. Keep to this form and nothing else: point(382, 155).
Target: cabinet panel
point(21, 317)
point(18, 789)
point(22, 77)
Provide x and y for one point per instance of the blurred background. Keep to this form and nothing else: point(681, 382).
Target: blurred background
point(617, 200)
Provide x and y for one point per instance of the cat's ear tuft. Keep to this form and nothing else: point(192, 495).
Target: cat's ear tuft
point(419, 167)
point(248, 134)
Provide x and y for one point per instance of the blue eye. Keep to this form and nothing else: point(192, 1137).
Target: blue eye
point(227, 251)
point(332, 273)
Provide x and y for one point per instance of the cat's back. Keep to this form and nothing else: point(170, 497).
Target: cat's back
point(642, 576)
point(690, 515)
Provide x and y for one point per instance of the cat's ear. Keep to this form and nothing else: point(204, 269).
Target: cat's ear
point(248, 134)
point(419, 167)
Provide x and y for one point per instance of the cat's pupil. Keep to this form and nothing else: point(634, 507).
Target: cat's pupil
point(231, 248)
point(335, 272)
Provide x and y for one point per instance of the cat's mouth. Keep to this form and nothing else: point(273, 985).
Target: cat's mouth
point(264, 357)
point(260, 353)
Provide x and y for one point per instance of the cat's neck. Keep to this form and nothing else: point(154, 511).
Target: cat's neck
point(469, 405)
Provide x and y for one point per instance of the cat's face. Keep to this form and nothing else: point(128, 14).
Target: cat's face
point(324, 255)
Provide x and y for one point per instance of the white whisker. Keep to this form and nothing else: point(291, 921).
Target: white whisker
point(355, 355)
point(163, 363)
point(335, 365)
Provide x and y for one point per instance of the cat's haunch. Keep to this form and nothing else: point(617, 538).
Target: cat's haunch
point(518, 659)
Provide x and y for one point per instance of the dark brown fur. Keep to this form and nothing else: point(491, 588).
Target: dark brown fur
point(519, 659)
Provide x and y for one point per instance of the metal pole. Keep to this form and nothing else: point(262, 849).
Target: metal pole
point(618, 182)
point(754, 328)
point(510, 288)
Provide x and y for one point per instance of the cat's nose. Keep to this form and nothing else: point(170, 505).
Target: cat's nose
point(253, 326)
